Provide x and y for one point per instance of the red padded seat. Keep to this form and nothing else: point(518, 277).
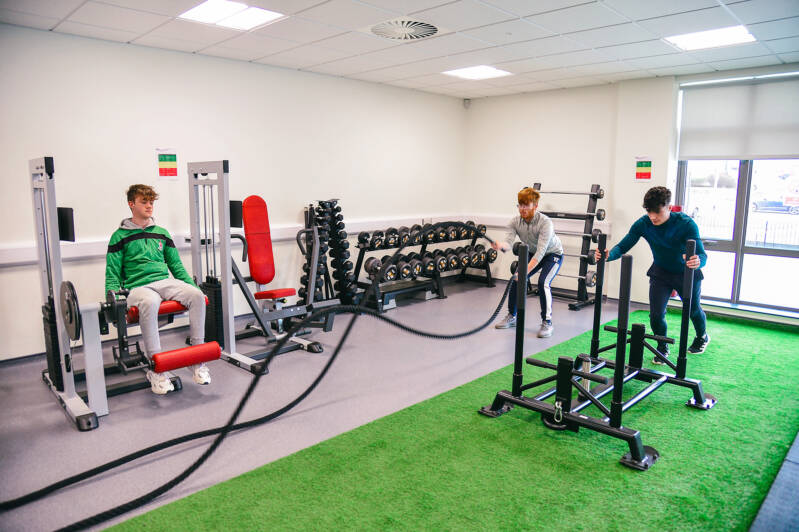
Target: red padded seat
point(259, 247)
point(167, 307)
point(275, 294)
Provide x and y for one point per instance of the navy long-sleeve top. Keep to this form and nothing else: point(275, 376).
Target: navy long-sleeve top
point(666, 240)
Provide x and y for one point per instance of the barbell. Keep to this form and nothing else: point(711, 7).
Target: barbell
point(593, 234)
point(600, 214)
point(599, 194)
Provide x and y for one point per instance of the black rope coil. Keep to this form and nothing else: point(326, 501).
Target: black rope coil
point(231, 425)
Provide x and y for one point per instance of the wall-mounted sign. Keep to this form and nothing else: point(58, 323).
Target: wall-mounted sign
point(167, 164)
point(643, 168)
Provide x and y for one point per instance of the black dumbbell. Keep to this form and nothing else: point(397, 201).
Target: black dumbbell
point(392, 237)
point(452, 232)
point(321, 268)
point(389, 270)
point(363, 237)
point(377, 240)
point(404, 270)
point(372, 265)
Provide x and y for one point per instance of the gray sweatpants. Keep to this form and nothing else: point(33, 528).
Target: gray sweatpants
point(149, 297)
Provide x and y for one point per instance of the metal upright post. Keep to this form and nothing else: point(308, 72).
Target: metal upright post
point(60, 375)
point(600, 283)
point(521, 299)
point(687, 297)
point(209, 174)
point(616, 405)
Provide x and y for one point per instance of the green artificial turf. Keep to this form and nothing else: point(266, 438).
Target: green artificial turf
point(439, 465)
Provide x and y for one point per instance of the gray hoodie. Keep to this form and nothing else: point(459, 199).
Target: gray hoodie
point(538, 234)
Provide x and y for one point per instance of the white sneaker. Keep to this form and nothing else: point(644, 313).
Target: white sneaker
point(202, 375)
point(159, 383)
point(508, 322)
point(546, 329)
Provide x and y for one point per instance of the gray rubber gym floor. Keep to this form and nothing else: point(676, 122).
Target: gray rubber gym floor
point(380, 370)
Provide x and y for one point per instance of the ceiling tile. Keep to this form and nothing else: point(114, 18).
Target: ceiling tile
point(525, 8)
point(356, 43)
point(200, 34)
point(545, 46)
point(638, 9)
point(429, 48)
point(350, 65)
point(230, 53)
point(170, 8)
point(582, 17)
point(521, 66)
point(96, 32)
point(777, 29)
point(536, 86)
point(611, 67)
point(554, 74)
point(639, 49)
point(405, 7)
point(681, 70)
point(511, 81)
point(508, 32)
point(118, 18)
point(346, 14)
point(587, 81)
point(662, 61)
point(249, 46)
point(746, 62)
point(790, 57)
point(287, 7)
point(418, 68)
point(701, 20)
point(168, 43)
point(612, 35)
point(303, 56)
point(298, 30)
point(622, 76)
point(730, 52)
point(790, 44)
point(583, 57)
point(764, 10)
point(497, 91)
point(26, 19)
point(44, 8)
point(463, 15)
point(486, 56)
point(378, 76)
point(430, 80)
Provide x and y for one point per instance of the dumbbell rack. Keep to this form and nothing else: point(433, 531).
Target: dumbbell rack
point(580, 297)
point(382, 295)
point(323, 287)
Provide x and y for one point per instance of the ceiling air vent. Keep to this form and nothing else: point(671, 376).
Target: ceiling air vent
point(404, 29)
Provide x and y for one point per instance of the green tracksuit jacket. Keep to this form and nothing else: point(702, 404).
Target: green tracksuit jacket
point(139, 256)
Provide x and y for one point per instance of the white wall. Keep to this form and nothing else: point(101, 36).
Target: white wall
point(101, 109)
point(567, 140)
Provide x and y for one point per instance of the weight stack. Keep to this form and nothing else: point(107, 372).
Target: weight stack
point(51, 345)
point(214, 315)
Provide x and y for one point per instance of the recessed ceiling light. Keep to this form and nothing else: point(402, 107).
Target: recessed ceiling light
point(477, 72)
point(249, 18)
point(212, 11)
point(711, 38)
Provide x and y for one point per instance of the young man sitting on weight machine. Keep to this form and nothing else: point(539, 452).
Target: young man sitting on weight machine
point(666, 233)
point(140, 257)
point(546, 254)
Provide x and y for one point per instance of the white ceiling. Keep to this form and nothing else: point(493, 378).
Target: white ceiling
point(546, 44)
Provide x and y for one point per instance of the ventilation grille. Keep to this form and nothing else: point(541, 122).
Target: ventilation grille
point(404, 29)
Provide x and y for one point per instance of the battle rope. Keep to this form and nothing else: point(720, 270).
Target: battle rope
point(231, 425)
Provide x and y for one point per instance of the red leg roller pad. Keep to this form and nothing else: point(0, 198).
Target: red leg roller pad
point(186, 356)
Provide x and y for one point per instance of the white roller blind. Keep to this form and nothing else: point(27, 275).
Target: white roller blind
point(753, 121)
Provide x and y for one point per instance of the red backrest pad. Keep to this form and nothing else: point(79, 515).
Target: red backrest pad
point(259, 241)
point(186, 356)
